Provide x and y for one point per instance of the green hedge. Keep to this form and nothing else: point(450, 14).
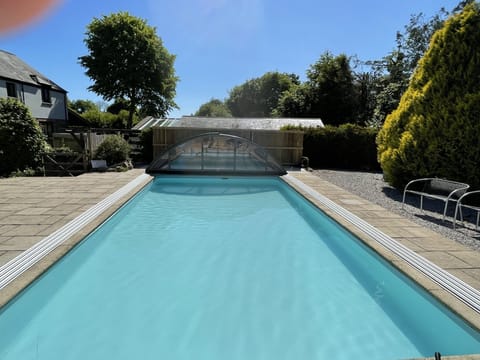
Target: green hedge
point(347, 146)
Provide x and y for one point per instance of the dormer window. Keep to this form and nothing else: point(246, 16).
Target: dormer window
point(11, 90)
point(46, 95)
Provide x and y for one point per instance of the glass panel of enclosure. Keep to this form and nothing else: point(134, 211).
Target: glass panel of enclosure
point(215, 153)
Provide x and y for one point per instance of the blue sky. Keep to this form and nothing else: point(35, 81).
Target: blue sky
point(220, 43)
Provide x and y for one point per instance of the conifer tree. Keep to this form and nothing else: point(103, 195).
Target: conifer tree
point(435, 130)
point(21, 139)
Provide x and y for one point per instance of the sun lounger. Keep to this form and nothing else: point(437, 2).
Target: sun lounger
point(469, 200)
point(437, 189)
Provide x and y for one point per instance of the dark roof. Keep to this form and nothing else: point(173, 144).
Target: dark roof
point(13, 68)
point(231, 123)
point(75, 119)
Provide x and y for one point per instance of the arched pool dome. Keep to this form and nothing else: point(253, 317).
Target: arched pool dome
point(216, 154)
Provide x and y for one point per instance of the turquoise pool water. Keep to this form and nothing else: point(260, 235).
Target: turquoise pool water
point(239, 268)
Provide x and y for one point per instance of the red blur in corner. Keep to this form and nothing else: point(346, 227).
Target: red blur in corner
point(15, 14)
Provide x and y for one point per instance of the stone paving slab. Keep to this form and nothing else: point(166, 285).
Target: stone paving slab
point(22, 243)
point(7, 255)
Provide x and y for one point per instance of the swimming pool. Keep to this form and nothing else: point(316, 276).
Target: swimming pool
point(238, 268)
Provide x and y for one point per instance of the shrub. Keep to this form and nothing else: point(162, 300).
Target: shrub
point(347, 146)
point(21, 139)
point(435, 129)
point(114, 149)
point(100, 119)
point(24, 173)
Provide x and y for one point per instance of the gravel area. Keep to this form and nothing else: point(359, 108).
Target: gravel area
point(373, 188)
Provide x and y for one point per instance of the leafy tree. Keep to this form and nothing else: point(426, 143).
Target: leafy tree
point(415, 40)
point(328, 93)
point(390, 86)
point(393, 72)
point(435, 129)
point(365, 85)
point(120, 121)
point(214, 108)
point(128, 60)
point(331, 82)
point(82, 106)
point(295, 102)
point(101, 119)
point(118, 105)
point(259, 97)
point(21, 139)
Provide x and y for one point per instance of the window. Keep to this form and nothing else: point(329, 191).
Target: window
point(46, 95)
point(11, 90)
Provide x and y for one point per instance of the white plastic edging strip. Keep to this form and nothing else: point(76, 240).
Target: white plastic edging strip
point(461, 290)
point(15, 267)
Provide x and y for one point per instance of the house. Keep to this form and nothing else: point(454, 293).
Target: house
point(46, 100)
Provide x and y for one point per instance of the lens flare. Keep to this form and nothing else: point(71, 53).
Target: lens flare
point(15, 14)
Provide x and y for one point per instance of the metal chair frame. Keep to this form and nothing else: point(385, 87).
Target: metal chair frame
point(458, 190)
point(458, 208)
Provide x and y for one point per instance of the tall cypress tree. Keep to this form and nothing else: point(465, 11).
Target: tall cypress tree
point(435, 130)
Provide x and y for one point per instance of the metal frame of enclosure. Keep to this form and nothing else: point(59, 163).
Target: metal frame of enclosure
point(215, 153)
point(286, 147)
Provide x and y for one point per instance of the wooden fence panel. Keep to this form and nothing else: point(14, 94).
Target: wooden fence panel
point(95, 138)
point(87, 142)
point(93, 141)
